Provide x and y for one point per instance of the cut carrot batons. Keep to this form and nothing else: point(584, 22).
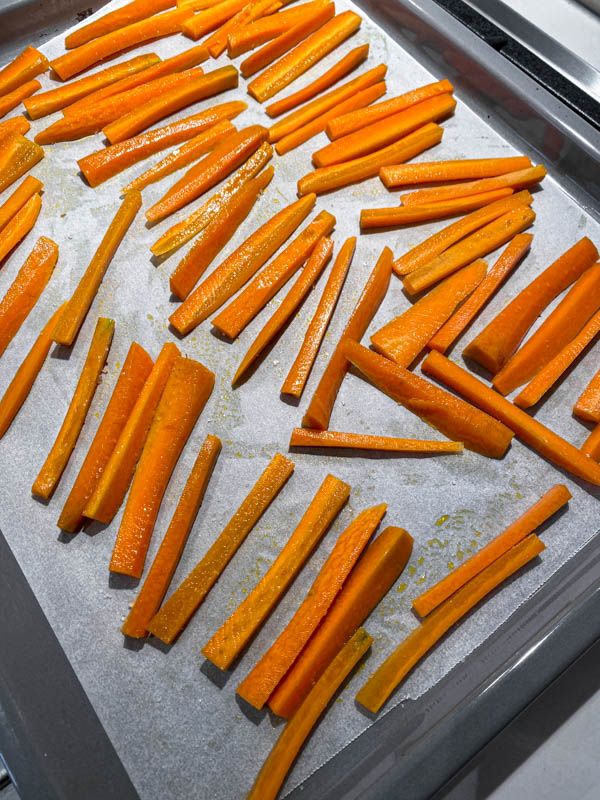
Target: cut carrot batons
point(457, 170)
point(14, 125)
point(208, 19)
point(17, 156)
point(587, 406)
point(305, 437)
point(237, 631)
point(14, 98)
point(269, 27)
point(54, 465)
point(181, 605)
point(107, 23)
point(26, 66)
point(217, 43)
point(591, 446)
point(19, 226)
point(18, 198)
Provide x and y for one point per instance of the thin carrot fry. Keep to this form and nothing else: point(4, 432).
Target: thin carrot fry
point(383, 682)
point(208, 19)
point(305, 437)
point(26, 66)
point(54, 465)
point(591, 446)
point(267, 28)
point(456, 170)
point(19, 226)
point(17, 156)
point(14, 124)
point(182, 604)
point(226, 645)
point(82, 298)
point(18, 198)
point(587, 406)
point(12, 99)
point(107, 23)
point(197, 5)
point(217, 43)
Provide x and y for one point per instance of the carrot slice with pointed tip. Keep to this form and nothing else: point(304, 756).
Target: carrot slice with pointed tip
point(587, 406)
point(591, 446)
point(263, 30)
point(14, 125)
point(459, 169)
point(305, 437)
point(12, 99)
point(217, 43)
point(17, 156)
point(23, 68)
point(208, 19)
point(18, 198)
point(19, 226)
point(107, 23)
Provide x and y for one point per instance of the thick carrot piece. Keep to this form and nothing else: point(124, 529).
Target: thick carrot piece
point(319, 410)
point(17, 156)
point(402, 339)
point(49, 476)
point(136, 369)
point(216, 235)
point(26, 66)
point(25, 290)
point(19, 226)
point(25, 376)
point(83, 296)
point(348, 123)
point(233, 636)
point(587, 406)
point(554, 499)
point(18, 198)
point(378, 568)
point(171, 548)
point(114, 480)
point(478, 244)
point(557, 330)
point(506, 263)
point(240, 266)
point(282, 756)
point(591, 446)
point(383, 682)
point(457, 170)
point(180, 607)
point(210, 18)
point(15, 125)
point(107, 23)
point(217, 43)
point(456, 419)
point(267, 28)
point(12, 99)
point(234, 318)
point(547, 443)
point(305, 437)
point(359, 169)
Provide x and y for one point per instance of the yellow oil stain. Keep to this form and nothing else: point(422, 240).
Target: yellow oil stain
point(439, 522)
point(150, 317)
point(460, 554)
point(412, 570)
point(451, 565)
point(402, 587)
point(421, 580)
point(420, 560)
point(438, 543)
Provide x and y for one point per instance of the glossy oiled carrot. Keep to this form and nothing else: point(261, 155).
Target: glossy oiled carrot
point(17, 156)
point(19, 226)
point(240, 266)
point(236, 632)
point(267, 28)
point(587, 406)
point(457, 170)
point(318, 413)
point(114, 481)
point(217, 43)
point(208, 19)
point(25, 290)
point(15, 125)
point(305, 437)
point(383, 682)
point(26, 66)
point(82, 298)
point(529, 430)
point(12, 99)
point(591, 446)
point(216, 235)
point(180, 607)
point(107, 23)
point(402, 339)
point(54, 465)
point(18, 198)
point(234, 318)
point(463, 317)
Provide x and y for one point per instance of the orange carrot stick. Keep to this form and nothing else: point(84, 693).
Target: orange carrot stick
point(258, 685)
point(387, 677)
point(591, 446)
point(136, 369)
point(102, 165)
point(208, 19)
point(463, 317)
point(217, 43)
point(17, 156)
point(459, 169)
point(305, 437)
point(107, 23)
point(15, 125)
point(234, 318)
point(402, 339)
point(171, 548)
point(18, 198)
point(267, 28)
point(318, 413)
point(240, 266)
point(180, 607)
point(26, 66)
point(587, 406)
point(186, 392)
point(359, 169)
point(12, 99)
point(54, 465)
point(233, 636)
point(114, 481)
point(82, 298)
point(216, 235)
point(529, 430)
point(478, 244)
point(25, 290)
point(19, 226)
point(370, 580)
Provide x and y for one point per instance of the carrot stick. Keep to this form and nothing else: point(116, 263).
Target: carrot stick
point(18, 198)
point(217, 43)
point(107, 23)
point(212, 169)
point(186, 392)
point(233, 636)
point(234, 318)
point(348, 123)
point(387, 677)
point(82, 298)
point(171, 548)
point(463, 317)
point(25, 290)
point(402, 339)
point(318, 413)
point(305, 437)
point(25, 376)
point(267, 28)
point(15, 125)
point(26, 66)
point(444, 239)
point(12, 99)
point(180, 607)
point(591, 446)
point(54, 465)
point(19, 226)
point(114, 481)
point(17, 156)
point(529, 430)
point(216, 235)
point(480, 243)
point(182, 232)
point(240, 266)
point(348, 63)
point(280, 74)
point(136, 369)
point(370, 580)
point(197, 5)
point(208, 19)
point(102, 165)
point(258, 685)
point(587, 406)
point(359, 169)
point(459, 169)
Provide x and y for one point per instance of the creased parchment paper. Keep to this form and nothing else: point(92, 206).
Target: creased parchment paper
point(174, 721)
